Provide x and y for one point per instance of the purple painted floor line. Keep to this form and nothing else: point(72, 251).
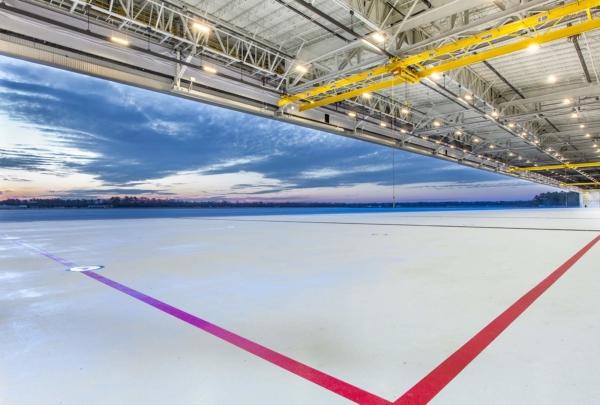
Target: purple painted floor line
point(320, 378)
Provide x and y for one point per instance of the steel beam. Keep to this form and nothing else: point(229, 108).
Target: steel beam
point(555, 167)
point(455, 64)
point(589, 183)
point(457, 50)
point(558, 94)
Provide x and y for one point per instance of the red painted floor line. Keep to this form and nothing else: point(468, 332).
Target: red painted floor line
point(436, 380)
point(421, 393)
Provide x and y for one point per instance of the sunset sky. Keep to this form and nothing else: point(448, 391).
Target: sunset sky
point(68, 135)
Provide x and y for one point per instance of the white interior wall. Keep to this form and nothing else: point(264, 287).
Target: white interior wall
point(589, 199)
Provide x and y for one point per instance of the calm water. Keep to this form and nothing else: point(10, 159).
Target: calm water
point(57, 214)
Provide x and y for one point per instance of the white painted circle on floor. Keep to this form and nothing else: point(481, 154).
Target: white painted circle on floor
point(85, 268)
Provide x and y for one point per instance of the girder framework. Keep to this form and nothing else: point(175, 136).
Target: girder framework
point(185, 29)
point(456, 55)
point(495, 114)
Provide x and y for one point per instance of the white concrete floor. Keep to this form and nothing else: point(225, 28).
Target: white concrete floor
point(376, 300)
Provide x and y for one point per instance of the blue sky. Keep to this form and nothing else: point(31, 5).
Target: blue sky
point(69, 135)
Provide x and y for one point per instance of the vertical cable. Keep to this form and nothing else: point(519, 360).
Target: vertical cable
point(393, 177)
point(393, 157)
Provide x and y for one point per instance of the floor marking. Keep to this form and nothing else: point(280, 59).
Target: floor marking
point(326, 381)
point(80, 269)
point(329, 382)
point(421, 393)
point(436, 380)
point(283, 221)
point(49, 255)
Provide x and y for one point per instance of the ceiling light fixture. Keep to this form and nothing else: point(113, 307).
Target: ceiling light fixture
point(120, 41)
point(533, 47)
point(378, 37)
point(301, 69)
point(201, 27)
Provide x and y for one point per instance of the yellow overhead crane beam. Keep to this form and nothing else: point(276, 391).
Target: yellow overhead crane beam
point(451, 56)
point(554, 167)
point(460, 62)
point(589, 183)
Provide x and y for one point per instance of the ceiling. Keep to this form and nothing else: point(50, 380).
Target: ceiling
point(544, 100)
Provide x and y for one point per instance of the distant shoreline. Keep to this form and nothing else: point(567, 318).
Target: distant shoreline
point(553, 199)
point(375, 206)
point(204, 205)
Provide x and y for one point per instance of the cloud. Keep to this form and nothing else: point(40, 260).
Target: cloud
point(103, 192)
point(18, 159)
point(121, 136)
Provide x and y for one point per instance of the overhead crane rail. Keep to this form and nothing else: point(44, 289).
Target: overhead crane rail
point(452, 56)
point(586, 184)
point(554, 167)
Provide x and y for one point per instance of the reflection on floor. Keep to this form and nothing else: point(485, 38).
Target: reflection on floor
point(376, 301)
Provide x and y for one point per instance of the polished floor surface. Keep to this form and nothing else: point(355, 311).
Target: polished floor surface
point(319, 309)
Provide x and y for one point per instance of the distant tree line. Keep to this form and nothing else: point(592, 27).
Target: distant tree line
point(557, 199)
point(551, 199)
